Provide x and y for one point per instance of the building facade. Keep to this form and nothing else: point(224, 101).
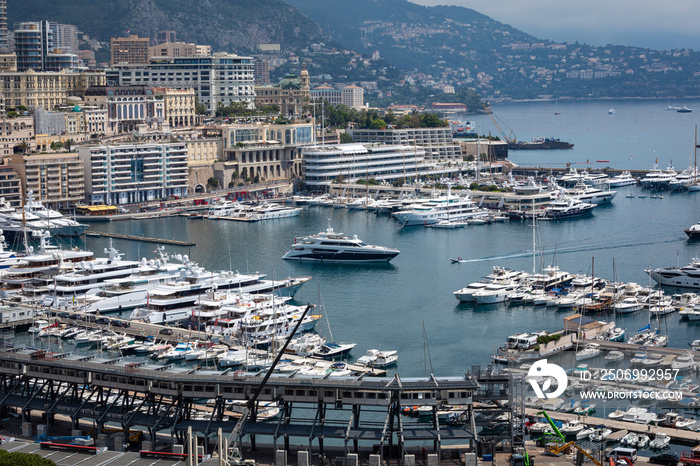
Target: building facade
point(15, 132)
point(218, 78)
point(352, 96)
point(134, 173)
point(57, 180)
point(173, 49)
point(437, 143)
point(132, 49)
point(262, 151)
point(328, 165)
point(46, 89)
point(326, 93)
point(261, 72)
point(127, 107)
point(10, 187)
point(178, 106)
point(290, 95)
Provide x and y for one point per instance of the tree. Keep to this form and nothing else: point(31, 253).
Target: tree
point(23, 459)
point(200, 108)
point(378, 124)
point(212, 183)
point(22, 148)
point(56, 145)
point(68, 144)
point(345, 138)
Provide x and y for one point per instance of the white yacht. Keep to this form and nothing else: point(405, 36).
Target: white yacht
point(494, 293)
point(130, 292)
point(445, 207)
point(40, 267)
point(566, 207)
point(51, 220)
point(658, 179)
point(225, 208)
point(87, 276)
point(269, 211)
point(623, 179)
point(174, 301)
point(329, 246)
point(687, 276)
point(591, 195)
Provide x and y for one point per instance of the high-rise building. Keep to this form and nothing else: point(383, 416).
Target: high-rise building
point(261, 72)
point(131, 50)
point(4, 39)
point(36, 47)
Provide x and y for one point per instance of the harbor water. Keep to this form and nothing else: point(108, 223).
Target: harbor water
point(389, 306)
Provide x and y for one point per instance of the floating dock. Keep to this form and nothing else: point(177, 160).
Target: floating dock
point(173, 242)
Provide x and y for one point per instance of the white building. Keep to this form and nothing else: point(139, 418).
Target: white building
point(322, 165)
point(437, 142)
point(218, 78)
point(353, 96)
point(125, 174)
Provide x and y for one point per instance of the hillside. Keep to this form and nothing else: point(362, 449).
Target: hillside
point(461, 47)
point(227, 25)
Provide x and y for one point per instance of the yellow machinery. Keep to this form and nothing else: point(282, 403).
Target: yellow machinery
point(557, 448)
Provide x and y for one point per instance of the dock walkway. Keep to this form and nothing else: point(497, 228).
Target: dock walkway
point(173, 242)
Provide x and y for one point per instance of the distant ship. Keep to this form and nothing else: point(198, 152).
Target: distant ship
point(540, 143)
point(684, 109)
point(463, 129)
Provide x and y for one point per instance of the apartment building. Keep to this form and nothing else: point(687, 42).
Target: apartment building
point(133, 173)
point(56, 180)
point(46, 89)
point(218, 78)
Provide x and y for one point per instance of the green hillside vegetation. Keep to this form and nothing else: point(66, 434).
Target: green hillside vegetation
point(227, 25)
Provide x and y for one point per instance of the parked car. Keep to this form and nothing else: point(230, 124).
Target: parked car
point(121, 323)
point(668, 459)
point(102, 320)
point(166, 331)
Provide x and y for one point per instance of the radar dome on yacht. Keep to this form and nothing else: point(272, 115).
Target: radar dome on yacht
point(185, 258)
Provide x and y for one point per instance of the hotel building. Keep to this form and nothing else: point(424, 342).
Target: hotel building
point(437, 142)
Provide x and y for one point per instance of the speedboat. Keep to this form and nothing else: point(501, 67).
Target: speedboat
point(589, 351)
point(615, 356)
point(660, 441)
point(684, 363)
point(330, 246)
point(377, 358)
point(573, 427)
point(600, 434)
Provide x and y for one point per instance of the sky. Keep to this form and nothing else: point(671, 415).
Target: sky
point(651, 24)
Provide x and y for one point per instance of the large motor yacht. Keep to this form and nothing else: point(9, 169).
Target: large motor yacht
point(687, 276)
point(445, 207)
point(329, 246)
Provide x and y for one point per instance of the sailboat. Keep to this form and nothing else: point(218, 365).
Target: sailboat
point(331, 350)
point(695, 186)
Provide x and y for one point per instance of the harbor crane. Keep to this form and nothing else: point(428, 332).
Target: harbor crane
point(508, 139)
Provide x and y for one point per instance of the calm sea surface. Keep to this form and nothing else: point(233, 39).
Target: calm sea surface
point(389, 306)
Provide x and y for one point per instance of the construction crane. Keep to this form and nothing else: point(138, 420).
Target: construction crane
point(235, 458)
point(557, 448)
point(512, 137)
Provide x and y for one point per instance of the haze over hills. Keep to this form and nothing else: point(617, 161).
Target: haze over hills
point(227, 25)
